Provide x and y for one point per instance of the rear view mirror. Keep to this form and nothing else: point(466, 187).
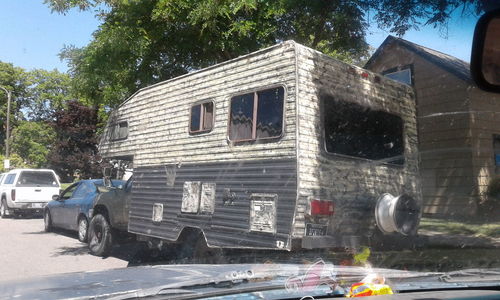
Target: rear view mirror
point(485, 58)
point(55, 197)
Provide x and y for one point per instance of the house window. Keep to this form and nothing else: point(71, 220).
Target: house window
point(496, 151)
point(358, 131)
point(403, 76)
point(119, 131)
point(202, 117)
point(257, 115)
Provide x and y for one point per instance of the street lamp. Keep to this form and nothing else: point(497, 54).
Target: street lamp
point(9, 94)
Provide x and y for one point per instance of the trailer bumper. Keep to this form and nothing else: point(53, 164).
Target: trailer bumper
point(344, 241)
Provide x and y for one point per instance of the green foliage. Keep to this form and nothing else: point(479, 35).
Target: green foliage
point(16, 162)
point(144, 42)
point(15, 80)
point(48, 91)
point(445, 226)
point(32, 141)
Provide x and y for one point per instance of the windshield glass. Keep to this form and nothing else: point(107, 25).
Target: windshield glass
point(338, 141)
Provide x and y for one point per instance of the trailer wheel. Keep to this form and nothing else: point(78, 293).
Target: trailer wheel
point(100, 236)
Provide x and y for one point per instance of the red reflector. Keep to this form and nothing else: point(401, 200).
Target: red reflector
point(320, 207)
point(13, 195)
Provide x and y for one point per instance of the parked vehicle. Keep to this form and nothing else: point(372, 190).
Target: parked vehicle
point(70, 209)
point(109, 218)
point(27, 191)
point(282, 146)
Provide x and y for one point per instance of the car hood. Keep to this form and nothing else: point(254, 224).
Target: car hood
point(144, 281)
point(150, 280)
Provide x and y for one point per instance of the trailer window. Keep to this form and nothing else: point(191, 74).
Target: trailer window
point(119, 131)
point(358, 131)
point(202, 117)
point(257, 115)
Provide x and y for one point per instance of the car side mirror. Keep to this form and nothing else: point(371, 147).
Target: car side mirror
point(55, 197)
point(485, 57)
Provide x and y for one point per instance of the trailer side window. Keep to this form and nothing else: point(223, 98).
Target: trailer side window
point(257, 115)
point(358, 131)
point(119, 131)
point(202, 117)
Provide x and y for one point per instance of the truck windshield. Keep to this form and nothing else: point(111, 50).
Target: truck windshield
point(32, 178)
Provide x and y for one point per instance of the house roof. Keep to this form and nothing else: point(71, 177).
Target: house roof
point(451, 64)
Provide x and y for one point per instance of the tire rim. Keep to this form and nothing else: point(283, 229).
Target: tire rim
point(2, 209)
point(82, 228)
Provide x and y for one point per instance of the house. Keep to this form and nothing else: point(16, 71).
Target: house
point(458, 125)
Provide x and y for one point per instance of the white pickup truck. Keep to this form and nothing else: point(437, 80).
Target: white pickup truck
point(27, 191)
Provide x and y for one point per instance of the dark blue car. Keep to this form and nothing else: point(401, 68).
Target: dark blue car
point(71, 208)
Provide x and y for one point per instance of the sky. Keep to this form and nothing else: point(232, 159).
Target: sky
point(31, 36)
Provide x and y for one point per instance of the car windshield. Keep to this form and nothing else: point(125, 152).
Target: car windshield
point(37, 178)
point(285, 139)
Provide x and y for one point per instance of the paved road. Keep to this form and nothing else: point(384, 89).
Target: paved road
point(27, 251)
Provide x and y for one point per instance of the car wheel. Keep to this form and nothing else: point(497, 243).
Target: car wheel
point(47, 221)
point(100, 236)
point(83, 226)
point(4, 212)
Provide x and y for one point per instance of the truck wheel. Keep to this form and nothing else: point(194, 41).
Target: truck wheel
point(83, 226)
point(47, 221)
point(3, 209)
point(100, 236)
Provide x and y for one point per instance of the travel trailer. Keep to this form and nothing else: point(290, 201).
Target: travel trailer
point(285, 148)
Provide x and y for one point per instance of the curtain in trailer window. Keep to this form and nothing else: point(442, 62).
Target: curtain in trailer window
point(241, 124)
point(270, 113)
point(208, 116)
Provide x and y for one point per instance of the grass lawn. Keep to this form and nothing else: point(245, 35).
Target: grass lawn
point(489, 229)
point(65, 185)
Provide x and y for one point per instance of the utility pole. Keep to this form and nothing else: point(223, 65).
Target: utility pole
point(7, 134)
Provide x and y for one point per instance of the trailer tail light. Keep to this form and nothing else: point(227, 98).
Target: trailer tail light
point(322, 207)
point(13, 195)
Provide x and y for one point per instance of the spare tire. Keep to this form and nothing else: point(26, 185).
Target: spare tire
point(397, 214)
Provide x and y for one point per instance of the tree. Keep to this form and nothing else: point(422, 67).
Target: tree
point(16, 161)
point(75, 148)
point(48, 91)
point(31, 141)
point(143, 42)
point(15, 80)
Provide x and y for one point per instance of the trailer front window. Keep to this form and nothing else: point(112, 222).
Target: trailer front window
point(358, 131)
point(257, 115)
